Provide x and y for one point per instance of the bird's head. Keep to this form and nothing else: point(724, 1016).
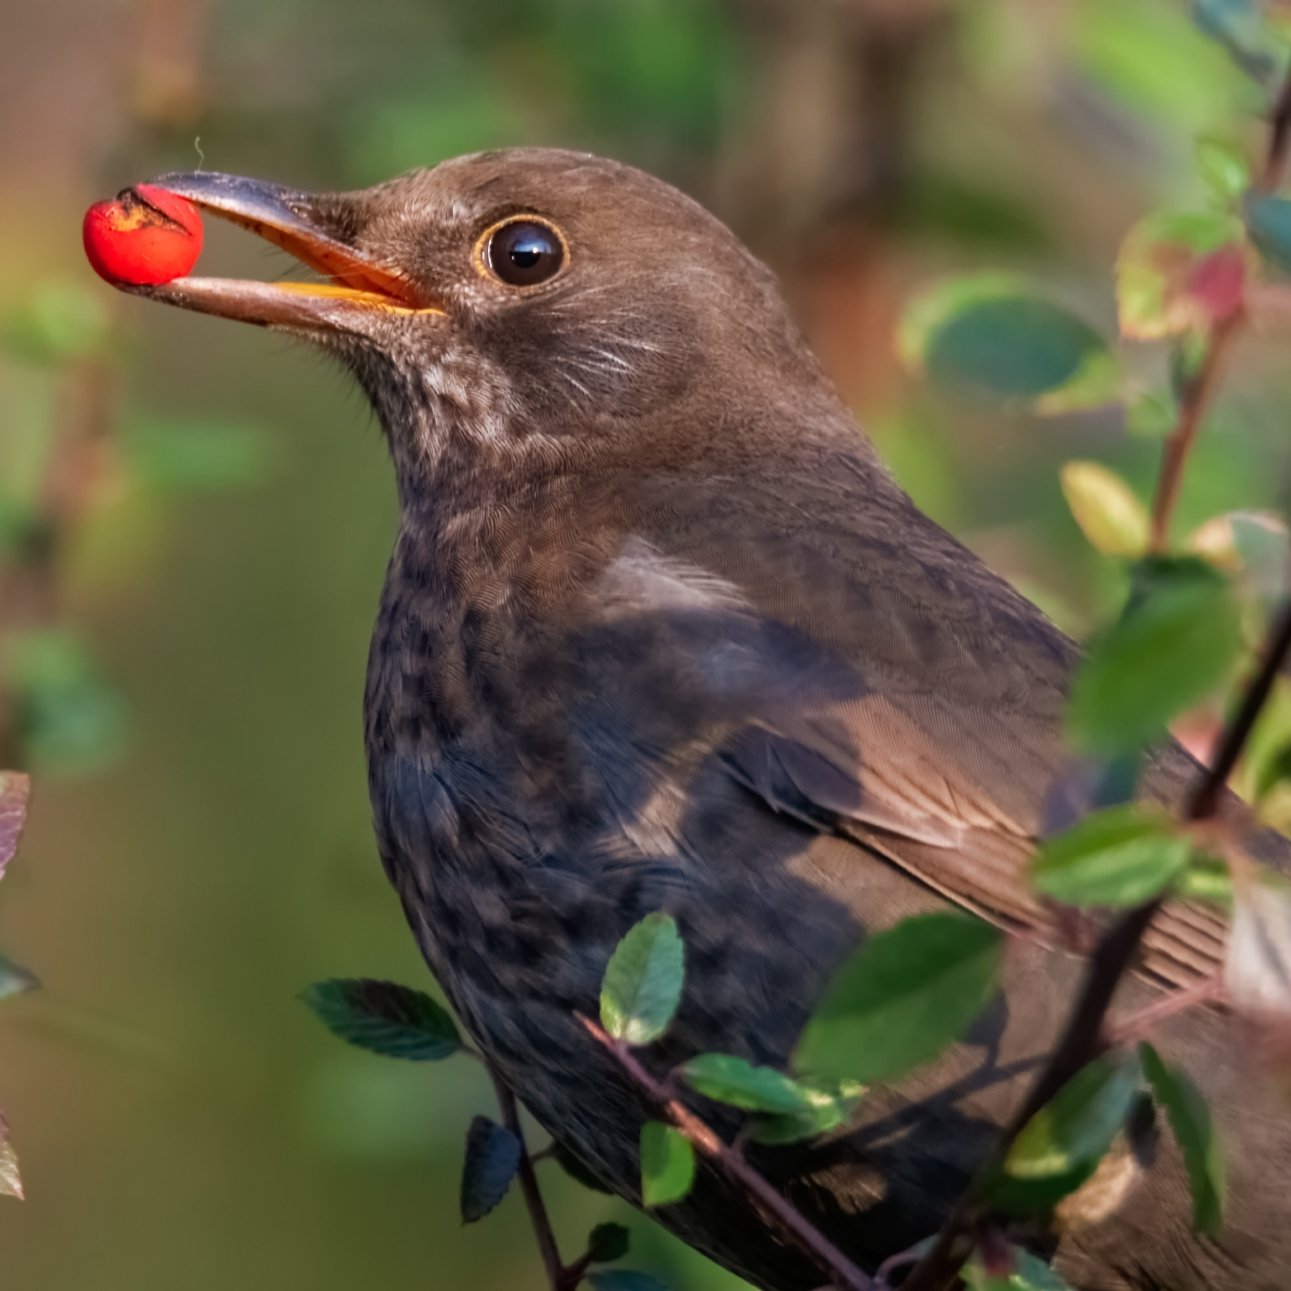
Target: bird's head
point(515, 299)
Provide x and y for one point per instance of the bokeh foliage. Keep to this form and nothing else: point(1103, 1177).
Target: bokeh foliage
point(199, 847)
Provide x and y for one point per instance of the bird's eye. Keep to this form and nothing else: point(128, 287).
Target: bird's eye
point(525, 252)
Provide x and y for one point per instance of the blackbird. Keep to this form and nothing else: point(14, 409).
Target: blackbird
point(660, 632)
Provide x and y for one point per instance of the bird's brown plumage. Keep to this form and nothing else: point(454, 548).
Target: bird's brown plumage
point(660, 632)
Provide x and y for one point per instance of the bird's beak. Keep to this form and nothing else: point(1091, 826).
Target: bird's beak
point(357, 288)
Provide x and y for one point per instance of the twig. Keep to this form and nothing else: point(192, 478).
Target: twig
point(779, 1212)
point(1140, 1023)
point(1200, 389)
point(562, 1277)
point(1275, 159)
point(1194, 403)
point(1204, 800)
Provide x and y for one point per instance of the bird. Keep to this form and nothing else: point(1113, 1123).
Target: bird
point(661, 632)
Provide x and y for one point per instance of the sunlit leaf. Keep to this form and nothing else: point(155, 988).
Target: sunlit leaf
point(1205, 879)
point(1252, 544)
point(1193, 1127)
point(492, 1158)
point(906, 994)
point(1108, 511)
point(990, 333)
point(15, 793)
point(1062, 1144)
point(728, 1079)
point(1176, 643)
point(384, 1018)
point(643, 980)
point(1224, 165)
point(1180, 272)
point(1120, 856)
point(667, 1164)
point(832, 1104)
point(606, 1243)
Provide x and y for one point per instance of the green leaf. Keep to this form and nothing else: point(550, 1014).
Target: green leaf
point(1224, 167)
point(727, 1079)
point(196, 455)
point(1269, 221)
point(15, 792)
point(1190, 1119)
point(1107, 510)
point(577, 1170)
point(492, 1159)
point(56, 323)
point(1062, 1144)
point(70, 720)
point(906, 994)
point(1120, 856)
point(1175, 644)
point(643, 980)
point(15, 979)
point(832, 1105)
point(1151, 415)
point(991, 334)
point(10, 1178)
point(384, 1017)
point(1028, 1273)
point(1180, 272)
point(667, 1164)
point(1205, 879)
point(623, 1280)
point(606, 1243)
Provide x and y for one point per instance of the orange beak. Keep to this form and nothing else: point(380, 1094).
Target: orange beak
point(356, 286)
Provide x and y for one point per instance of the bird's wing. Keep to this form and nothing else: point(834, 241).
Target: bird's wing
point(906, 697)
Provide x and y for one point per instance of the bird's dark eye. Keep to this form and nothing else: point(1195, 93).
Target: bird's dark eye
point(524, 253)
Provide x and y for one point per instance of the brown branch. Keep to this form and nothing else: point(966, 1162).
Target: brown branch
point(1194, 403)
point(562, 1277)
point(778, 1211)
point(1204, 800)
point(1275, 159)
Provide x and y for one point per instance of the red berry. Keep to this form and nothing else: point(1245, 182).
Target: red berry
point(145, 235)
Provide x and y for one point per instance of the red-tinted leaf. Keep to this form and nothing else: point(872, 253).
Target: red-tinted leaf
point(1180, 273)
point(15, 789)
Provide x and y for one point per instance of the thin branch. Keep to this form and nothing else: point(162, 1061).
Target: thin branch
point(1275, 159)
point(1140, 1023)
point(1204, 801)
point(779, 1212)
point(1194, 403)
point(559, 1275)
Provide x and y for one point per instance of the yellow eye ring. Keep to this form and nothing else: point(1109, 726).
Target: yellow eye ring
point(522, 252)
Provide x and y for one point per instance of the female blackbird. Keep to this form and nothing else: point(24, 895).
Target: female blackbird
point(661, 632)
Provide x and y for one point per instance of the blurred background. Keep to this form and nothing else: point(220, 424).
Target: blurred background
point(194, 520)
